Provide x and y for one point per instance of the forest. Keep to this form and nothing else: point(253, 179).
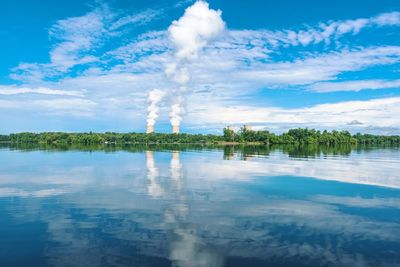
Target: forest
point(293, 136)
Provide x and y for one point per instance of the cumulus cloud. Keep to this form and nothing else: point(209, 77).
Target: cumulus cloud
point(195, 29)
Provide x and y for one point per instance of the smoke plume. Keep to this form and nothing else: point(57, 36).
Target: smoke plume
point(189, 35)
point(155, 97)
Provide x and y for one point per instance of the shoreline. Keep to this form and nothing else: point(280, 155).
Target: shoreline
point(229, 137)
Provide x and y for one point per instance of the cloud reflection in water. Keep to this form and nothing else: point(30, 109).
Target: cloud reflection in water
point(192, 209)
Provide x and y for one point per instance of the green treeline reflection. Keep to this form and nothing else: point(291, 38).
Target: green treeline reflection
point(238, 152)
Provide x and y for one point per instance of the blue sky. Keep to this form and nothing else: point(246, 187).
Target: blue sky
point(90, 66)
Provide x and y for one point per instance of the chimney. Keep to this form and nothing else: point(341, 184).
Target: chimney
point(175, 129)
point(150, 128)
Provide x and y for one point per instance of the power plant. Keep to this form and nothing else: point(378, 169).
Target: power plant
point(176, 128)
point(150, 129)
point(247, 127)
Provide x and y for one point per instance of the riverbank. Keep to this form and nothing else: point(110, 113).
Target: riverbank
point(229, 137)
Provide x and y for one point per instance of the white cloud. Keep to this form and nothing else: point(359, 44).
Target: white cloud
point(308, 35)
point(379, 112)
point(146, 45)
point(14, 90)
point(140, 18)
point(56, 106)
point(194, 30)
point(76, 40)
point(233, 64)
point(326, 32)
point(221, 79)
point(238, 63)
point(76, 36)
point(354, 85)
point(387, 19)
point(321, 67)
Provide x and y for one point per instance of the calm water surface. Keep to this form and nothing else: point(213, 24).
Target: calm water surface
point(195, 207)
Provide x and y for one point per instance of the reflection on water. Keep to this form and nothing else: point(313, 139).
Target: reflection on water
point(195, 206)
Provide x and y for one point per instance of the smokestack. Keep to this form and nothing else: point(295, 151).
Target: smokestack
point(175, 129)
point(150, 128)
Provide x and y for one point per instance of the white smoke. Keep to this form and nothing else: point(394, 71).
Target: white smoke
point(154, 99)
point(177, 109)
point(189, 35)
point(194, 30)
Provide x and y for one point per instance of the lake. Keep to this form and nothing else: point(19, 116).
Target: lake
point(192, 206)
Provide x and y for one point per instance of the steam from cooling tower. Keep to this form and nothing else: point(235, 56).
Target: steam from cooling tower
point(154, 99)
point(176, 112)
point(189, 35)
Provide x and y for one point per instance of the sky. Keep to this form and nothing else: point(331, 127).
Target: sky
point(89, 65)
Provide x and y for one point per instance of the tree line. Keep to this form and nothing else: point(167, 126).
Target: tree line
point(308, 136)
point(293, 136)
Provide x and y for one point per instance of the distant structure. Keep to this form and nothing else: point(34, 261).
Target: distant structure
point(175, 129)
point(247, 127)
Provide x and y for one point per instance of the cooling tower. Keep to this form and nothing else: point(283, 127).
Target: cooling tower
point(150, 128)
point(175, 129)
